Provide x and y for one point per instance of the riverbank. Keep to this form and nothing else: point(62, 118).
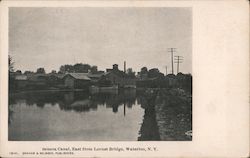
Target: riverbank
point(159, 114)
point(173, 108)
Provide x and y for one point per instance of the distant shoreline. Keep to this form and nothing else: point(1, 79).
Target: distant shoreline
point(46, 90)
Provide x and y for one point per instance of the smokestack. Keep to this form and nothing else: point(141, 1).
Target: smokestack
point(124, 66)
point(115, 67)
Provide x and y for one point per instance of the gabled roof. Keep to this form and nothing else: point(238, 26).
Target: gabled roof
point(119, 73)
point(36, 77)
point(98, 75)
point(58, 75)
point(79, 76)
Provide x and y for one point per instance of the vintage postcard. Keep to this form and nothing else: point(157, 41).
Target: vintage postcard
point(124, 79)
point(100, 74)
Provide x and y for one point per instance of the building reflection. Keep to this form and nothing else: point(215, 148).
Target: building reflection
point(85, 102)
point(166, 117)
point(78, 101)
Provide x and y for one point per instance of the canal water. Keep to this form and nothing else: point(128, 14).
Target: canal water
point(80, 116)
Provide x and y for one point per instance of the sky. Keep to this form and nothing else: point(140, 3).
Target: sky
point(51, 37)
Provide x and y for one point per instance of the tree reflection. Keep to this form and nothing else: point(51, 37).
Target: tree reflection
point(77, 101)
point(149, 130)
point(10, 108)
point(167, 113)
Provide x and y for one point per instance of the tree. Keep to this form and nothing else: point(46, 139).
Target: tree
point(66, 69)
point(78, 68)
point(143, 74)
point(12, 84)
point(152, 73)
point(130, 72)
point(81, 68)
point(93, 69)
point(60, 72)
point(11, 64)
point(40, 70)
point(28, 72)
point(144, 70)
point(53, 71)
point(18, 71)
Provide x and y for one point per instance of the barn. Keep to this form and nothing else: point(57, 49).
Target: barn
point(76, 80)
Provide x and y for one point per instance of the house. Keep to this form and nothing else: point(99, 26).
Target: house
point(95, 77)
point(37, 81)
point(76, 80)
point(27, 81)
point(117, 77)
point(43, 81)
point(21, 81)
point(56, 80)
point(59, 76)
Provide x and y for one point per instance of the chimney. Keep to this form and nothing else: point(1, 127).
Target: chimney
point(124, 66)
point(115, 67)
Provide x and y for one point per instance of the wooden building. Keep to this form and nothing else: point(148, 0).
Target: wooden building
point(21, 81)
point(117, 77)
point(56, 80)
point(95, 77)
point(76, 80)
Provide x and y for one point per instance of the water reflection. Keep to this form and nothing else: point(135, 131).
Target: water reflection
point(77, 101)
point(127, 115)
point(149, 129)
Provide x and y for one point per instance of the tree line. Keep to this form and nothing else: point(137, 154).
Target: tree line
point(86, 68)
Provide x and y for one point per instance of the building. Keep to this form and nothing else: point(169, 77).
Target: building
point(56, 80)
point(37, 81)
point(21, 81)
point(76, 80)
point(95, 77)
point(117, 77)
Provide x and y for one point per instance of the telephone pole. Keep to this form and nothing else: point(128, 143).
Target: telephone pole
point(124, 109)
point(166, 70)
point(178, 60)
point(124, 66)
point(172, 50)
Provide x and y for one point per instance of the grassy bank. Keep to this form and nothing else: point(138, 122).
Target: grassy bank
point(173, 109)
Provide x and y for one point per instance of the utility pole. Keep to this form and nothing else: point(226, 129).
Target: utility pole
point(178, 60)
point(124, 66)
point(166, 70)
point(124, 109)
point(172, 50)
